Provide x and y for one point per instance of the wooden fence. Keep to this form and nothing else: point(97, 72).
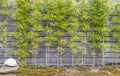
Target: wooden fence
point(54, 55)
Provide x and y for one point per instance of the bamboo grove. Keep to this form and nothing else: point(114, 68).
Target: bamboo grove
point(80, 26)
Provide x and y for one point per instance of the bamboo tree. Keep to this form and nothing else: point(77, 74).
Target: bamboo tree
point(72, 22)
point(83, 26)
point(36, 27)
point(59, 22)
point(99, 10)
point(115, 29)
point(48, 18)
point(21, 34)
point(4, 25)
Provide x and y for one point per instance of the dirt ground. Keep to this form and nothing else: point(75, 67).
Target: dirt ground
point(81, 71)
point(90, 71)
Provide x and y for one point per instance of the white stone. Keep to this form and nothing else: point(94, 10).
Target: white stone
point(10, 62)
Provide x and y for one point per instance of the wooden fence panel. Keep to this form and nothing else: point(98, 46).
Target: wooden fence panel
point(54, 55)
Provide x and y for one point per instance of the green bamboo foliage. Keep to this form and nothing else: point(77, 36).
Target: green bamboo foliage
point(98, 18)
point(61, 26)
point(59, 22)
point(72, 22)
point(83, 27)
point(4, 25)
point(48, 18)
point(115, 29)
point(35, 28)
point(58, 19)
point(21, 35)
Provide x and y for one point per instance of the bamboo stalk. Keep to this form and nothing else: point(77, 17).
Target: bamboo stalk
point(59, 50)
point(112, 59)
point(72, 60)
point(116, 61)
point(84, 55)
point(46, 56)
point(19, 59)
point(103, 59)
point(35, 59)
point(103, 55)
point(93, 60)
point(32, 55)
point(6, 19)
point(60, 58)
point(112, 52)
point(82, 61)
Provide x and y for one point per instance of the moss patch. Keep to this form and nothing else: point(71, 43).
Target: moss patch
point(68, 71)
point(111, 69)
point(39, 70)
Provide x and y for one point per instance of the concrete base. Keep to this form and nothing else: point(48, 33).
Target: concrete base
point(5, 69)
